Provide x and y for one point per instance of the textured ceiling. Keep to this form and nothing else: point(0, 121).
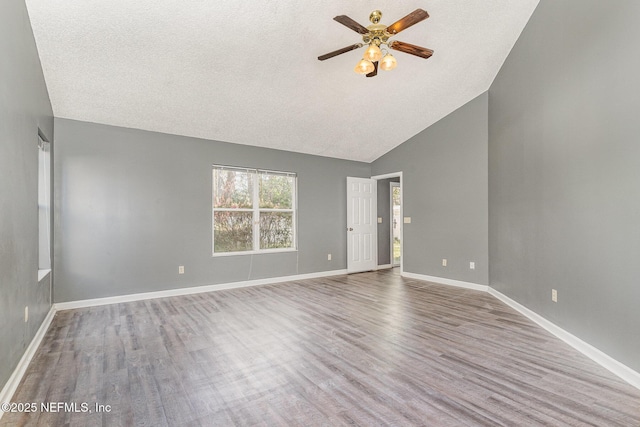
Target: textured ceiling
point(246, 72)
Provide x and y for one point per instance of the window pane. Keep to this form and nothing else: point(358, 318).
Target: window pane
point(276, 191)
point(232, 189)
point(232, 231)
point(397, 220)
point(44, 206)
point(396, 196)
point(276, 230)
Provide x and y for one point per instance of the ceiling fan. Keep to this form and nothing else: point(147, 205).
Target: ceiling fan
point(376, 35)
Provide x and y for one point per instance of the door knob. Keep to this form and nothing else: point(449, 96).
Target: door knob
point(349, 229)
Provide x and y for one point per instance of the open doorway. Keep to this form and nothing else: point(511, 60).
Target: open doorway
point(389, 220)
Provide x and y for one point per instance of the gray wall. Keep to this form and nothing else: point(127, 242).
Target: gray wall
point(445, 194)
point(384, 212)
point(565, 172)
point(130, 206)
point(24, 106)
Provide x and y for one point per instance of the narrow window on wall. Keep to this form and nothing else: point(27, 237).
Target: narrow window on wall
point(44, 205)
point(254, 211)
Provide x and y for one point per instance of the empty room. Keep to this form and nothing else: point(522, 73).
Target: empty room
point(219, 213)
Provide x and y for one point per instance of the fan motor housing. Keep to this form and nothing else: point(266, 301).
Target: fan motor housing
point(377, 34)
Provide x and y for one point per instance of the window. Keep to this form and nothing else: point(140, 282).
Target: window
point(253, 210)
point(44, 207)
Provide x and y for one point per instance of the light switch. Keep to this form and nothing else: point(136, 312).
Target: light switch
point(379, 220)
point(407, 220)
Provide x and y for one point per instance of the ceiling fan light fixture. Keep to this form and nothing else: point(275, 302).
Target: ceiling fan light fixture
point(388, 63)
point(364, 67)
point(373, 53)
point(377, 35)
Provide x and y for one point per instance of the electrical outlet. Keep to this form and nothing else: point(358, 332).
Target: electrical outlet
point(328, 257)
point(181, 269)
point(444, 262)
point(472, 265)
point(26, 314)
point(554, 295)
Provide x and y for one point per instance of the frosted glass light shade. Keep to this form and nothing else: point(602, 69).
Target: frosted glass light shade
point(388, 63)
point(364, 67)
point(373, 53)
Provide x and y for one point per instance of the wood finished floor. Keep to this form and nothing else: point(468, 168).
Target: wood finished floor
point(368, 349)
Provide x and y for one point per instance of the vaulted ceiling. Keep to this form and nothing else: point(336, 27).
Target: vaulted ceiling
point(247, 72)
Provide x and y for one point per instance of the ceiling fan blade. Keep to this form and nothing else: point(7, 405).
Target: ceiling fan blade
point(375, 70)
point(422, 52)
point(339, 51)
point(413, 18)
point(350, 23)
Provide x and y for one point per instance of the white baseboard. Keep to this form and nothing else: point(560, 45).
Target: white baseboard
point(192, 290)
point(604, 360)
point(12, 384)
point(384, 267)
point(444, 281)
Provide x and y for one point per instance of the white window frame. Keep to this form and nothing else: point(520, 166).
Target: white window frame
point(44, 208)
point(255, 176)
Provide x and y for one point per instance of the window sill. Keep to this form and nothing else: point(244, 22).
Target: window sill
point(263, 252)
point(43, 273)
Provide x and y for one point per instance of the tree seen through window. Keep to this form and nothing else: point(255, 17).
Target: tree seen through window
point(253, 210)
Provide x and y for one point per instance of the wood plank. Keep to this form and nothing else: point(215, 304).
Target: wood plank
point(365, 349)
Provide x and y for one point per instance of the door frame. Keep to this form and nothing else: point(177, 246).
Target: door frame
point(396, 175)
point(393, 184)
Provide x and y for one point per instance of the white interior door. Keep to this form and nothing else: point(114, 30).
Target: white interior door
point(361, 224)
